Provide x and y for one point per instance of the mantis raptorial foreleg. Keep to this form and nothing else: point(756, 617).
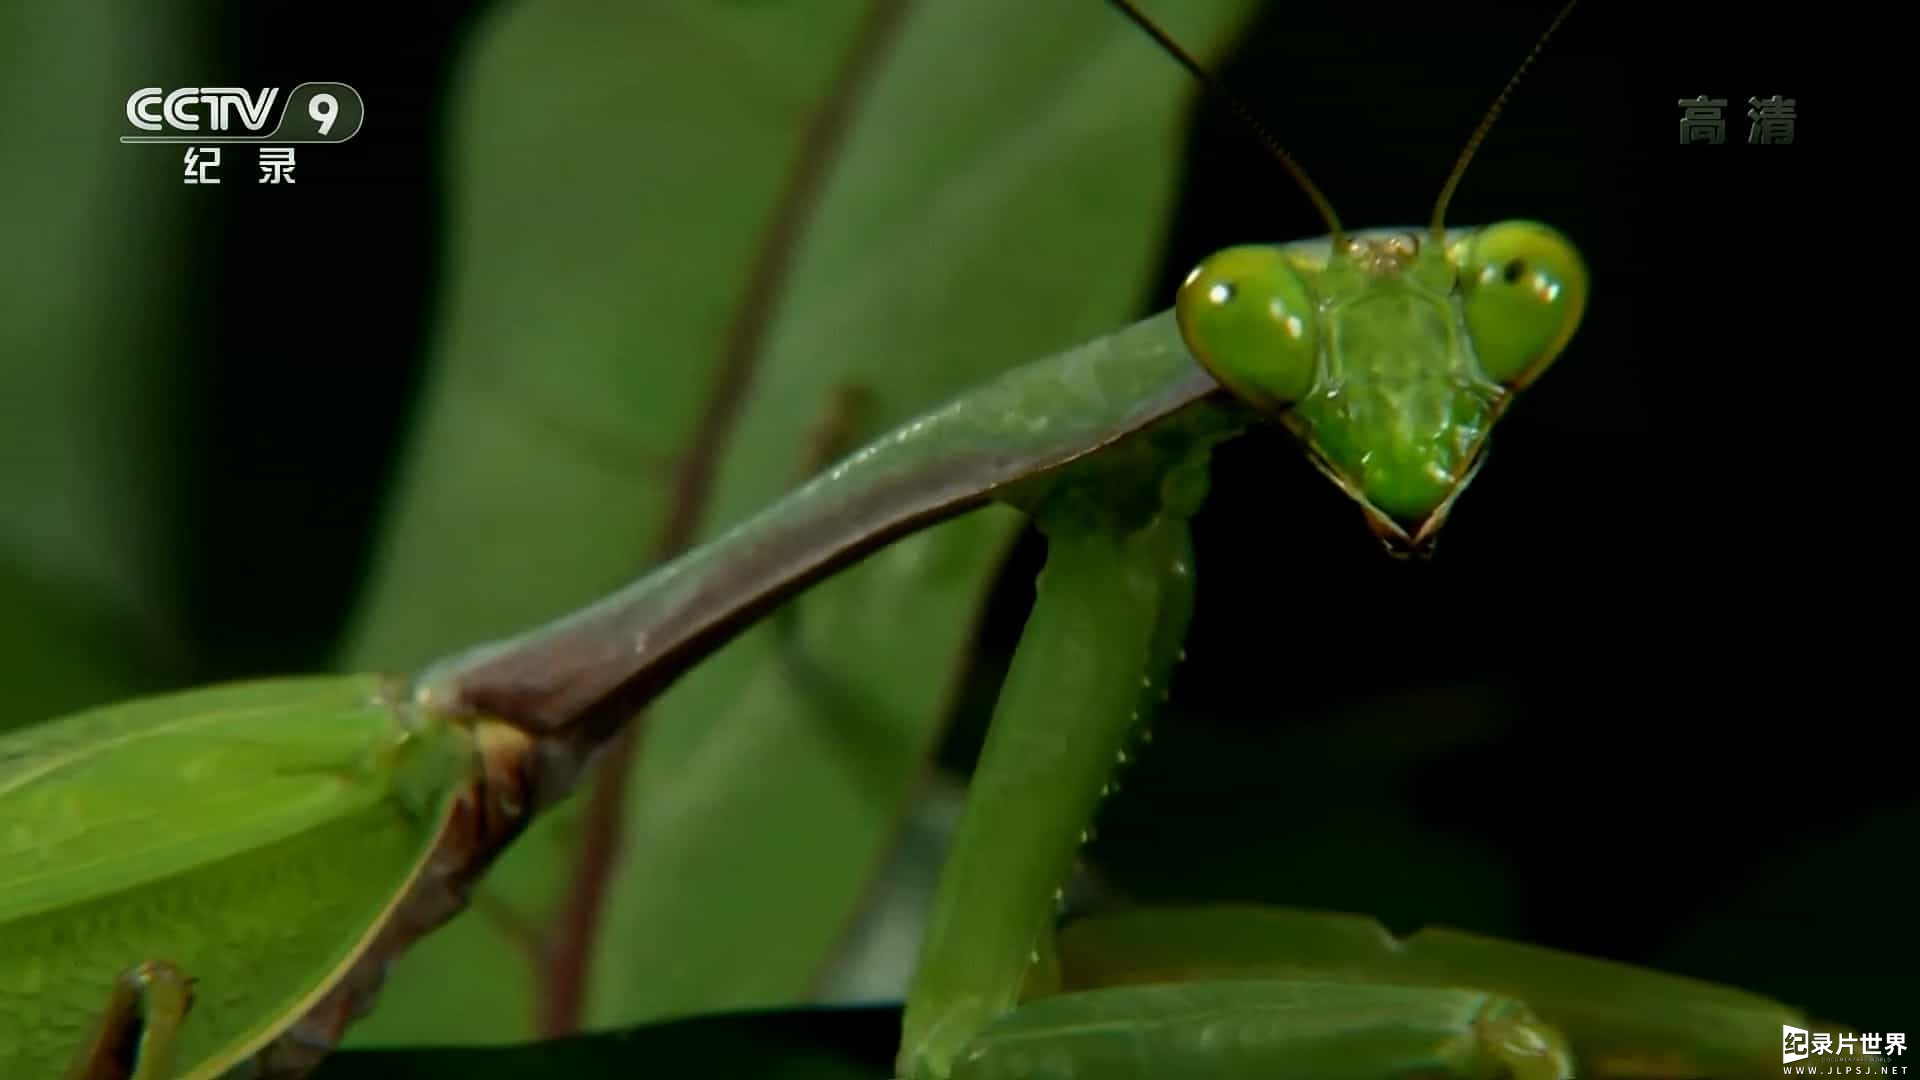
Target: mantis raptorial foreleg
point(1110, 611)
point(139, 1030)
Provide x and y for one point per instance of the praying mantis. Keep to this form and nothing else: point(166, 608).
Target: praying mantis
point(432, 775)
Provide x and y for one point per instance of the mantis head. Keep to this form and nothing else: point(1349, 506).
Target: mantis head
point(1389, 360)
point(1389, 355)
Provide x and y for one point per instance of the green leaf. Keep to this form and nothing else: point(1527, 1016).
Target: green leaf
point(998, 193)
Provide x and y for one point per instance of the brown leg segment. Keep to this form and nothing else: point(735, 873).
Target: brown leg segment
point(139, 1030)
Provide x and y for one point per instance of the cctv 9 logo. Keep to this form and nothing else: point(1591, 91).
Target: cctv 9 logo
point(327, 112)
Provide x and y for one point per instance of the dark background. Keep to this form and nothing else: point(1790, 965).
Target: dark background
point(1643, 704)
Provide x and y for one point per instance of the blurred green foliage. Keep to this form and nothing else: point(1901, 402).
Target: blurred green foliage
point(97, 356)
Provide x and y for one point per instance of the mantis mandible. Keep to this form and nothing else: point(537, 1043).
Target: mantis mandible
point(129, 943)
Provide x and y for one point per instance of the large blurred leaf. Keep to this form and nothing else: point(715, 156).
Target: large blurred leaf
point(89, 329)
point(997, 195)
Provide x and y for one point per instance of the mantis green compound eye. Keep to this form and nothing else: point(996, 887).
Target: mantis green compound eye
point(1248, 317)
point(1525, 289)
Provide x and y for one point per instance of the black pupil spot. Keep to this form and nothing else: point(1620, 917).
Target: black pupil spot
point(1512, 271)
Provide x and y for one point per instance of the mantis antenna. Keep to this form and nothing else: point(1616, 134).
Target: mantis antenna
point(1438, 226)
point(1266, 138)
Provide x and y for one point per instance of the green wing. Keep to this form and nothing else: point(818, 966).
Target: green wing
point(253, 834)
